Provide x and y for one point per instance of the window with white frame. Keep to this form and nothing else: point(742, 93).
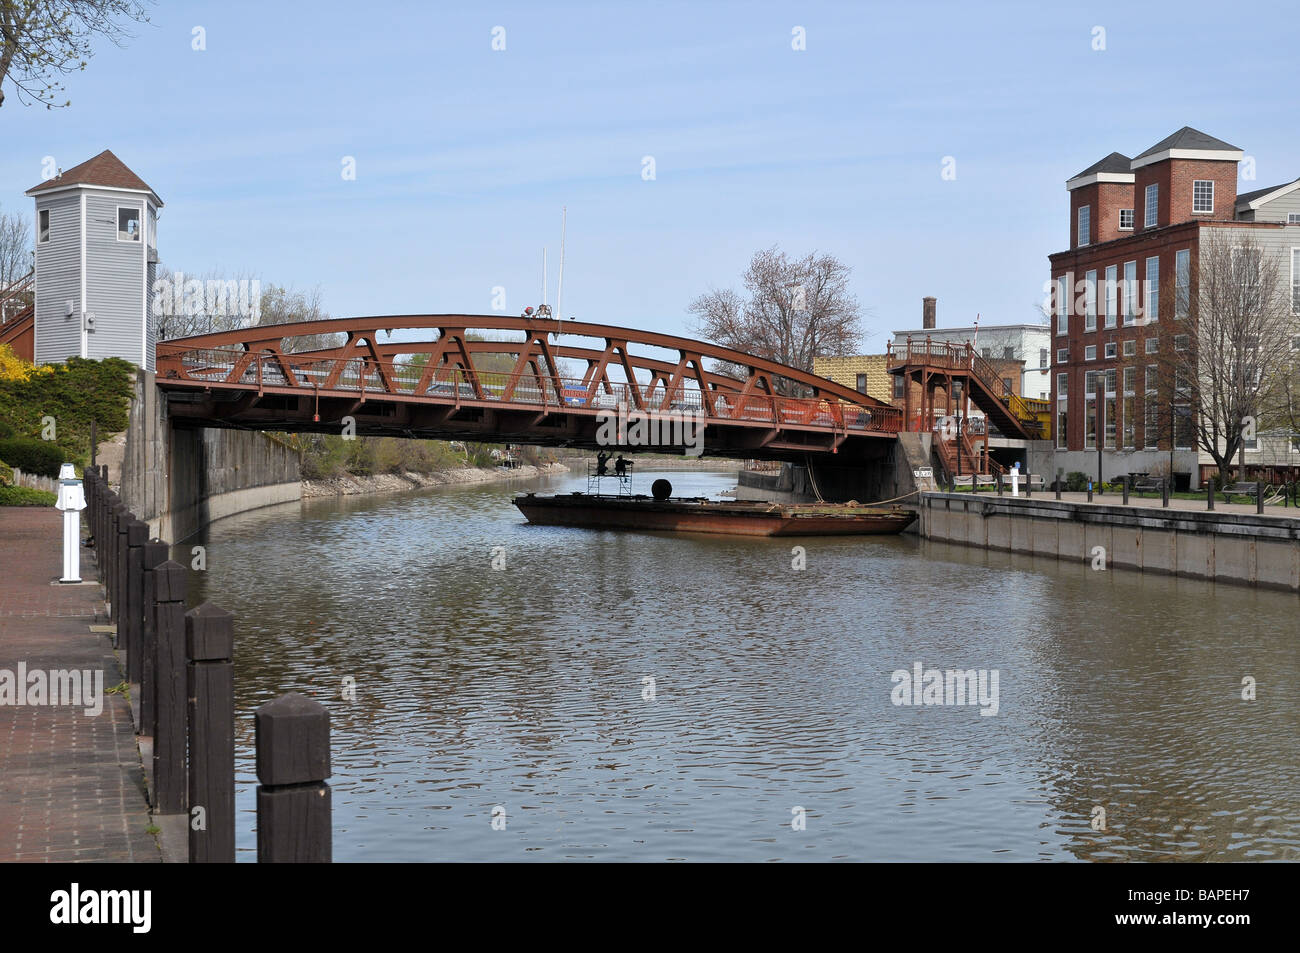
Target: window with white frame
point(1130, 348)
point(1110, 350)
point(1183, 433)
point(1111, 409)
point(1062, 404)
point(1063, 305)
point(1112, 295)
point(1090, 301)
point(1063, 355)
point(1203, 195)
point(1153, 205)
point(1090, 352)
point(1153, 288)
point(1062, 386)
point(1085, 223)
point(1130, 292)
point(1295, 280)
point(1293, 218)
point(1090, 410)
point(1126, 220)
point(128, 224)
point(1153, 345)
point(1042, 357)
point(1182, 342)
point(1129, 408)
point(43, 221)
point(1182, 282)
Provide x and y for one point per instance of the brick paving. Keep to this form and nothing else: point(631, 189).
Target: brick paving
point(71, 785)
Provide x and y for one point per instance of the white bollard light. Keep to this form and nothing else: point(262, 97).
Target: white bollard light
point(72, 500)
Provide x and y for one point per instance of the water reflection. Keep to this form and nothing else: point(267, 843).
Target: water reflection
point(522, 688)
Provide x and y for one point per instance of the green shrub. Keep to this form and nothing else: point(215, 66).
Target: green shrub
point(25, 496)
point(6, 430)
point(1076, 482)
point(41, 457)
point(6, 474)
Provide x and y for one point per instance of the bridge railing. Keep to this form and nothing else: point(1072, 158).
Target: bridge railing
point(413, 379)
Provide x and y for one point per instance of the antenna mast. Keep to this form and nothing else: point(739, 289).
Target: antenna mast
point(559, 291)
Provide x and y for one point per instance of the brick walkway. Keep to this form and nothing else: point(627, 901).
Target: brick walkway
point(1272, 510)
point(71, 785)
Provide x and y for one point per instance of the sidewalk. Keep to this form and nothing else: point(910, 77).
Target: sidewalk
point(71, 784)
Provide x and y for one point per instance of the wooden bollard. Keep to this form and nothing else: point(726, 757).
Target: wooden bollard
point(1259, 496)
point(155, 554)
point(137, 534)
point(210, 643)
point(293, 801)
point(111, 546)
point(169, 676)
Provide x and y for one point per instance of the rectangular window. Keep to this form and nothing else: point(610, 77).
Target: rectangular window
point(1061, 421)
point(1042, 357)
point(1130, 407)
point(1151, 426)
point(1293, 218)
point(1130, 348)
point(1090, 352)
point(128, 224)
point(1183, 436)
point(1111, 350)
point(43, 218)
point(1153, 345)
point(1153, 378)
point(1090, 301)
point(1295, 280)
point(1006, 386)
point(1130, 292)
point(1063, 355)
point(1126, 220)
point(1090, 423)
point(1153, 205)
point(1063, 305)
point(1182, 342)
point(1110, 411)
point(1062, 386)
point(1153, 288)
point(1112, 295)
point(1182, 282)
point(1202, 195)
point(1085, 223)
point(1008, 354)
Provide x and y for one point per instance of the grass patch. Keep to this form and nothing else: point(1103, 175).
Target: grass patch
point(25, 496)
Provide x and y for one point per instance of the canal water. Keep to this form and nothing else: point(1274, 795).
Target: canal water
point(633, 696)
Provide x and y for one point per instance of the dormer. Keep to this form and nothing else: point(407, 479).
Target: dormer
point(1099, 197)
point(1184, 177)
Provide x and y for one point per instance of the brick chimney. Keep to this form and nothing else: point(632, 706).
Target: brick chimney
point(927, 313)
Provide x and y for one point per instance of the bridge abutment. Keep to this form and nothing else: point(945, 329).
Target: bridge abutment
point(180, 479)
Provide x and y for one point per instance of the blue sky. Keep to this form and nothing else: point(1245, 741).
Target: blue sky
point(465, 155)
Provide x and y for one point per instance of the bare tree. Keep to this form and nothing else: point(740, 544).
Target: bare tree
point(795, 310)
point(44, 40)
point(15, 248)
point(1226, 362)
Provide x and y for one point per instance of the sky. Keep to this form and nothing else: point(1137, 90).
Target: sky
point(465, 154)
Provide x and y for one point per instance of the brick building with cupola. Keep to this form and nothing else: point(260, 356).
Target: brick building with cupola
point(1121, 297)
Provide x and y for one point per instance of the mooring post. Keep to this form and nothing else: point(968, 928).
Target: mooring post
point(169, 704)
point(1127, 479)
point(137, 534)
point(1209, 494)
point(999, 484)
point(292, 735)
point(1164, 491)
point(155, 554)
point(1259, 496)
point(210, 643)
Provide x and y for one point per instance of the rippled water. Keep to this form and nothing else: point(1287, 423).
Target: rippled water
point(522, 688)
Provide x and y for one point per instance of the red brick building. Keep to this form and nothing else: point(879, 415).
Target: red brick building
point(1121, 294)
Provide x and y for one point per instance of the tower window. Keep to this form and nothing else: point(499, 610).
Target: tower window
point(128, 224)
point(1203, 195)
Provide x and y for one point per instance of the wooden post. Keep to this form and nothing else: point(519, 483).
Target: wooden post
point(94, 441)
point(1164, 491)
point(1209, 494)
point(155, 554)
point(210, 643)
point(137, 534)
point(169, 704)
point(1128, 478)
point(999, 484)
point(1259, 496)
point(119, 573)
point(293, 801)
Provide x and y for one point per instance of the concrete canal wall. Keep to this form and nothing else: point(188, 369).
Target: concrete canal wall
point(179, 480)
point(1237, 548)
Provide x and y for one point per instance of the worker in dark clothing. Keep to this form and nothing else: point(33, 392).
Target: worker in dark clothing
point(602, 464)
point(621, 465)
